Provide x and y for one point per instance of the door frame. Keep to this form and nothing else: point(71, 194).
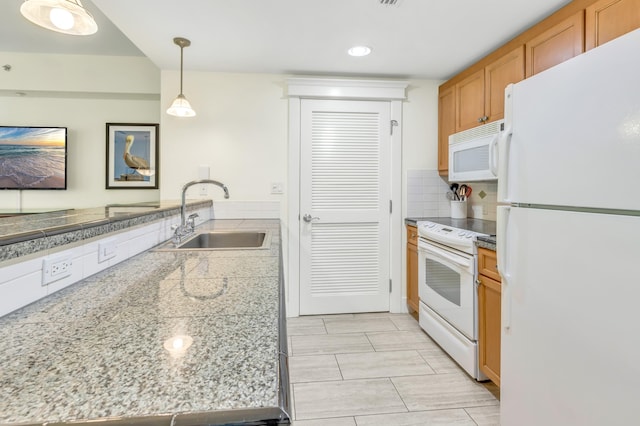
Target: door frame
point(343, 89)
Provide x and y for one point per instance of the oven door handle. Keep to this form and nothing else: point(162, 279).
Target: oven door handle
point(459, 261)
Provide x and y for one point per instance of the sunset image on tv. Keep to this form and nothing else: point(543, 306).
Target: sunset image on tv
point(33, 157)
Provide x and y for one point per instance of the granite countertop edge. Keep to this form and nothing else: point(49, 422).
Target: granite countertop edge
point(487, 242)
point(88, 223)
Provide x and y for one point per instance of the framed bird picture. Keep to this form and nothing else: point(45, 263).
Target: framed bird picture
point(132, 156)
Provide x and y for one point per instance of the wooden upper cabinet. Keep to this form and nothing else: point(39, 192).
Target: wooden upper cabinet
point(446, 126)
point(476, 95)
point(557, 44)
point(470, 101)
point(608, 19)
point(508, 69)
point(476, 100)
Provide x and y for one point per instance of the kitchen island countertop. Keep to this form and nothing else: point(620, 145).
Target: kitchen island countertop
point(165, 337)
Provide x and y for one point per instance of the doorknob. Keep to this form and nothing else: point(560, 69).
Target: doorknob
point(307, 218)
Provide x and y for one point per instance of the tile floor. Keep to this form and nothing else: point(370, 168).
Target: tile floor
point(379, 370)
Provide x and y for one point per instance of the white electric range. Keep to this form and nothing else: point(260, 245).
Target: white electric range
point(447, 274)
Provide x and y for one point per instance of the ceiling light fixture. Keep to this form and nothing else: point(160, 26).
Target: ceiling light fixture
point(63, 16)
point(181, 106)
point(359, 51)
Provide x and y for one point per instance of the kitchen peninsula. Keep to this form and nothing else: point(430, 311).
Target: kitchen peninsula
point(164, 337)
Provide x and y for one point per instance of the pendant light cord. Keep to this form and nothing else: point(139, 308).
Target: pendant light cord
point(181, 53)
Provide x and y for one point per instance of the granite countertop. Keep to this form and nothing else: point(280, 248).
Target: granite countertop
point(96, 349)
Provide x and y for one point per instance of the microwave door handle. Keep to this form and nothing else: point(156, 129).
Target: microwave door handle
point(493, 155)
point(503, 167)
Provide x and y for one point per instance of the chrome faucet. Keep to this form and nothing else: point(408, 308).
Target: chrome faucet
point(187, 226)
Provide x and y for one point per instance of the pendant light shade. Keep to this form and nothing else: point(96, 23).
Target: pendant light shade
point(181, 106)
point(63, 16)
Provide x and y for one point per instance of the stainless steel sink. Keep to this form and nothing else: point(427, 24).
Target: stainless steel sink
point(223, 240)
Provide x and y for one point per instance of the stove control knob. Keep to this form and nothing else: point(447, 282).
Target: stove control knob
point(469, 235)
point(461, 233)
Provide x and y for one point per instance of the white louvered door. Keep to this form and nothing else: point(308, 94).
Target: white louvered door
point(344, 187)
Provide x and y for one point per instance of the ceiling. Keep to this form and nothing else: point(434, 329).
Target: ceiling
point(412, 39)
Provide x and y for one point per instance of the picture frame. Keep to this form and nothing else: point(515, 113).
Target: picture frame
point(132, 156)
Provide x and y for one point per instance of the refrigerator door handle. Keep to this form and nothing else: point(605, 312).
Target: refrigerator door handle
point(502, 248)
point(504, 145)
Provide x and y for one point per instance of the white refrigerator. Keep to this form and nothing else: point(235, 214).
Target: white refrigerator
point(569, 242)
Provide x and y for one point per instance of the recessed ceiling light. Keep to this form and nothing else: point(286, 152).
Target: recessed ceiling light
point(359, 51)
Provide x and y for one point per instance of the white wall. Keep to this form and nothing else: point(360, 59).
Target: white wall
point(82, 93)
point(240, 132)
point(420, 127)
point(80, 74)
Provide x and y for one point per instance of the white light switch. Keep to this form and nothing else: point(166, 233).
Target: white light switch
point(203, 172)
point(107, 250)
point(276, 188)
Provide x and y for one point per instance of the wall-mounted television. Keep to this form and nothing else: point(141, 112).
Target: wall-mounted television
point(33, 157)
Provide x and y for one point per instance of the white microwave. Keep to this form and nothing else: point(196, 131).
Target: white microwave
point(473, 153)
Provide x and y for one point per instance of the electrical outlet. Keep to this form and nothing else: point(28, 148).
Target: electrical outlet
point(56, 268)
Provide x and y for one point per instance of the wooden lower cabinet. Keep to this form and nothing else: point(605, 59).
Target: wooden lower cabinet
point(412, 269)
point(489, 315)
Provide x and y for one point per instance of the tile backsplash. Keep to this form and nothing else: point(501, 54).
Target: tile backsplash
point(426, 196)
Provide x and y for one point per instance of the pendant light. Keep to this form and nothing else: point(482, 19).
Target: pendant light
point(180, 106)
point(63, 16)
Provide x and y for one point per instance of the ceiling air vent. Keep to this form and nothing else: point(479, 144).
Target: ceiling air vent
point(389, 2)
